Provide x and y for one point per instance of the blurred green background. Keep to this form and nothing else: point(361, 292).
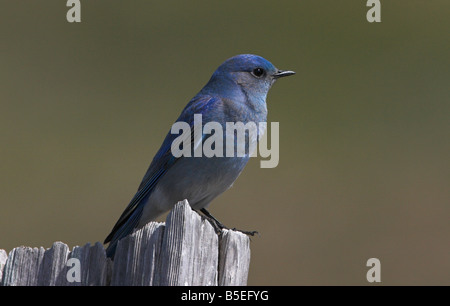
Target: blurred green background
point(364, 125)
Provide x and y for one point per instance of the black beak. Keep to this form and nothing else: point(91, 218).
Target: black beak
point(282, 73)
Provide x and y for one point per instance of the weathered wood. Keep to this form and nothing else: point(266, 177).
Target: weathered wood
point(27, 266)
point(234, 258)
point(137, 257)
point(3, 257)
point(190, 249)
point(22, 266)
point(95, 267)
point(183, 251)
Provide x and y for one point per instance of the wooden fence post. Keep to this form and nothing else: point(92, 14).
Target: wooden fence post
point(185, 250)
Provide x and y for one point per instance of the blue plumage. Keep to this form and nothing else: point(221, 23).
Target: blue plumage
point(236, 92)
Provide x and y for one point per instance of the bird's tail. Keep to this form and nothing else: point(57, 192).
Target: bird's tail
point(111, 250)
point(121, 231)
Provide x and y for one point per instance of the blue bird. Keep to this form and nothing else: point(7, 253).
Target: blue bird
point(236, 92)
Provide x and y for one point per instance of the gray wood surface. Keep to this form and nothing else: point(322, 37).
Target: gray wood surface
point(183, 251)
point(234, 258)
point(3, 257)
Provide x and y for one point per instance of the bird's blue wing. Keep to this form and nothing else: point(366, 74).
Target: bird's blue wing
point(161, 163)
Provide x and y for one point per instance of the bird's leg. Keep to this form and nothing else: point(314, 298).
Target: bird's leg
point(218, 226)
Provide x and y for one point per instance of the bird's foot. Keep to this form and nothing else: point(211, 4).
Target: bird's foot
point(248, 233)
point(218, 226)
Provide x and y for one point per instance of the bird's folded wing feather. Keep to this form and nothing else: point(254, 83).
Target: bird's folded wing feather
point(161, 163)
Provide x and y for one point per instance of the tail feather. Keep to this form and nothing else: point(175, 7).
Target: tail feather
point(124, 230)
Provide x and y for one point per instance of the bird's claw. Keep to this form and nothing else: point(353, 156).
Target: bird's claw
point(248, 233)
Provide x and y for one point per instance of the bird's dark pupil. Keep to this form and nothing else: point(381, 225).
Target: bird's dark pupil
point(258, 72)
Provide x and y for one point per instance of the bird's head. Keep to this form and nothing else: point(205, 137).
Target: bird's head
point(253, 73)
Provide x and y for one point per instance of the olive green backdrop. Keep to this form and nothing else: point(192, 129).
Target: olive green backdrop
point(364, 127)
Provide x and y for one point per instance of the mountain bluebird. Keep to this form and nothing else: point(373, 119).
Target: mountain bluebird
point(236, 92)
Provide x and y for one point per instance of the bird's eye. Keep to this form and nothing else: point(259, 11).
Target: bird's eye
point(258, 72)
